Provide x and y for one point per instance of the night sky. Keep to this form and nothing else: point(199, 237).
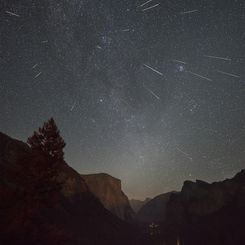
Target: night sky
point(151, 92)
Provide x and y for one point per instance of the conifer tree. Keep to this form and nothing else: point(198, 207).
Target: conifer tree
point(48, 140)
point(40, 170)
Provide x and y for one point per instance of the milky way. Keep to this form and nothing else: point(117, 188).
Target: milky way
point(151, 92)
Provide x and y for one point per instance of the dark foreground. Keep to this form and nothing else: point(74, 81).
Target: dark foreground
point(37, 209)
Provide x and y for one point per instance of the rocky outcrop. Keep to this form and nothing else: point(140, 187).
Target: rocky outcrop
point(202, 199)
point(67, 215)
point(155, 209)
point(109, 191)
point(138, 204)
point(11, 150)
point(205, 213)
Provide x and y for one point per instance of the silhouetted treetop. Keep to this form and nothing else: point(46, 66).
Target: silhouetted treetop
point(48, 140)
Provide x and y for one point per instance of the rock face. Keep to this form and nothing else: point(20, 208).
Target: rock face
point(155, 209)
point(74, 216)
point(108, 190)
point(205, 213)
point(138, 204)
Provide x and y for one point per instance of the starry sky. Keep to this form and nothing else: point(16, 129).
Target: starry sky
point(151, 92)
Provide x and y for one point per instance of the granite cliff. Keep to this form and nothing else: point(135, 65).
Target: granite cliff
point(203, 213)
point(109, 191)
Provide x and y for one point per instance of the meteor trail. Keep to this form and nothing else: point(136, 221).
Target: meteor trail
point(190, 11)
point(73, 106)
point(217, 57)
point(151, 7)
point(143, 4)
point(38, 75)
point(34, 66)
point(228, 74)
point(179, 61)
point(151, 92)
point(158, 72)
point(198, 75)
point(184, 153)
point(11, 13)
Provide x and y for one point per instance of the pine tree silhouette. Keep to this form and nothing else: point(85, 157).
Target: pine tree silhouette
point(39, 175)
point(37, 180)
point(48, 140)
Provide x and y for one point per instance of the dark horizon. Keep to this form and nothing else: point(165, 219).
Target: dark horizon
point(123, 184)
